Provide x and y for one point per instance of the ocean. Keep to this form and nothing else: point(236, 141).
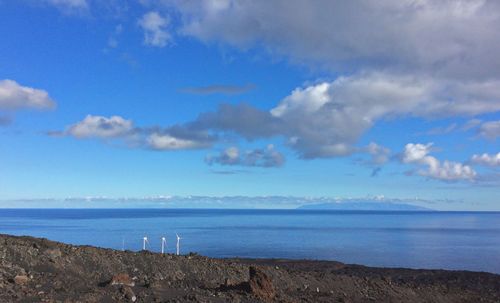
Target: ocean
point(415, 239)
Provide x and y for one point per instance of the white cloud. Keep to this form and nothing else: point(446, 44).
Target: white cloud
point(487, 160)
point(120, 129)
point(101, 127)
point(490, 130)
point(447, 170)
point(13, 96)
point(416, 152)
point(455, 38)
point(404, 58)
point(155, 29)
point(328, 118)
point(267, 157)
point(401, 58)
point(159, 141)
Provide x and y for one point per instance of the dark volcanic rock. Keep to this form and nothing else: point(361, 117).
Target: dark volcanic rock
point(21, 279)
point(129, 294)
point(260, 284)
point(39, 270)
point(122, 279)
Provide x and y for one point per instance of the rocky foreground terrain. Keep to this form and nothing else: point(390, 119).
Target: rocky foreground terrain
point(39, 270)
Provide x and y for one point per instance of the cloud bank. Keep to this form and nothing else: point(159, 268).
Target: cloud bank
point(231, 202)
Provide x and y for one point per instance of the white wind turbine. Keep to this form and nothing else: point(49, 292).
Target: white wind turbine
point(144, 242)
point(178, 243)
point(163, 244)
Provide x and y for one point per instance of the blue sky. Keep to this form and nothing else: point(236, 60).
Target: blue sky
point(149, 98)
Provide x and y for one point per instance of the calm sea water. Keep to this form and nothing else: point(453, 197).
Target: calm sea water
point(450, 240)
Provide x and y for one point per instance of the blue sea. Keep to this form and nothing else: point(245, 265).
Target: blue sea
point(447, 240)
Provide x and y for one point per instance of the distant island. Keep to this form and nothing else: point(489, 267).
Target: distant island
point(364, 205)
point(226, 202)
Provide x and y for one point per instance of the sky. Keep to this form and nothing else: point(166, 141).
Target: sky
point(395, 100)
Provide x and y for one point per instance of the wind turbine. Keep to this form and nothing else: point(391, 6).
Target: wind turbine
point(178, 243)
point(163, 244)
point(144, 242)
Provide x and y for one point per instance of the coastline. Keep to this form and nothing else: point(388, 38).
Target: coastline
point(34, 269)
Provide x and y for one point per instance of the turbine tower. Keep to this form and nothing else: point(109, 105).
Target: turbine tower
point(178, 243)
point(163, 244)
point(144, 242)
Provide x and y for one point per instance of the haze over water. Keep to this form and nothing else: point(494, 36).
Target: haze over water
point(448, 240)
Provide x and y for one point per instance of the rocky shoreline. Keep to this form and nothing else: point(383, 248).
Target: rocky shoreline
point(39, 270)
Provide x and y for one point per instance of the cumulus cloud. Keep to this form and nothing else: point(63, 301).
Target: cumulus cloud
point(490, 130)
point(219, 89)
point(400, 58)
point(453, 38)
point(395, 95)
point(429, 59)
point(446, 171)
point(267, 157)
point(487, 160)
point(155, 29)
point(156, 138)
point(177, 137)
point(166, 141)
point(100, 127)
point(14, 96)
point(327, 119)
point(403, 58)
